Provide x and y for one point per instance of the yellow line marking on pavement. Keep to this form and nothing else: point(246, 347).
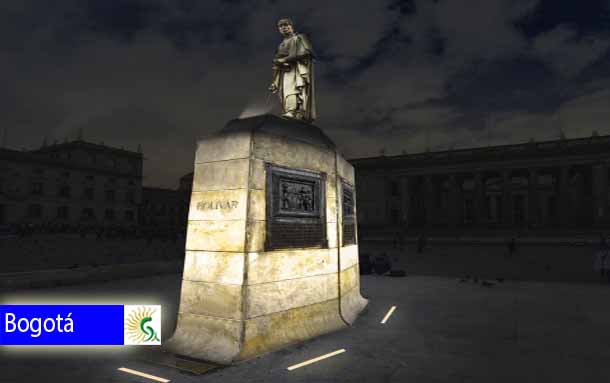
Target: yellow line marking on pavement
point(390, 311)
point(144, 375)
point(319, 358)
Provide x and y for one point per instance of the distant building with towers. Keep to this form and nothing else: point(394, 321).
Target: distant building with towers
point(73, 183)
point(166, 210)
point(535, 185)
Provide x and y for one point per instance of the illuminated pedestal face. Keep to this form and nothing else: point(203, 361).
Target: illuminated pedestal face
point(271, 248)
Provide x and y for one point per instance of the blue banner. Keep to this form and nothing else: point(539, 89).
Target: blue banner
point(65, 325)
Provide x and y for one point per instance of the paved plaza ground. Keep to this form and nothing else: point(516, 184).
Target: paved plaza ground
point(443, 330)
point(547, 261)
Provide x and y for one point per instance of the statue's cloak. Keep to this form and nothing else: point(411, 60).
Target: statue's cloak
point(299, 77)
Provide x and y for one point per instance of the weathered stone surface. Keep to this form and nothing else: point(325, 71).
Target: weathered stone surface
point(216, 235)
point(349, 279)
point(213, 266)
point(284, 152)
point(352, 304)
point(349, 256)
point(289, 295)
point(345, 169)
point(331, 234)
point(258, 204)
point(256, 232)
point(279, 265)
point(331, 182)
point(222, 147)
point(270, 332)
point(257, 174)
point(331, 208)
point(222, 175)
point(218, 205)
point(202, 337)
point(267, 298)
point(211, 299)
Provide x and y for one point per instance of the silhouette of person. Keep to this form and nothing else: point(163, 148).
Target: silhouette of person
point(512, 246)
point(601, 262)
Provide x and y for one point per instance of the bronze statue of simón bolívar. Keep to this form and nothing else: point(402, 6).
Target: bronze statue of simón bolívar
point(293, 75)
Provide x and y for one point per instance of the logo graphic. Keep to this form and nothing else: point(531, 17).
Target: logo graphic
point(142, 325)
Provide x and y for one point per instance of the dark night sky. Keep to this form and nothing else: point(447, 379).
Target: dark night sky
point(162, 73)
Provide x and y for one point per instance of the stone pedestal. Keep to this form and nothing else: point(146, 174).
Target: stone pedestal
point(271, 248)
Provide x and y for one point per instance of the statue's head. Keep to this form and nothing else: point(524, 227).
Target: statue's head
point(286, 27)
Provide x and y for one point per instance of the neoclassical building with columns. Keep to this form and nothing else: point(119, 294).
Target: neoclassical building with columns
point(560, 184)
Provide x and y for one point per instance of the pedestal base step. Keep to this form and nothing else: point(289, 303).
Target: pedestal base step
point(179, 362)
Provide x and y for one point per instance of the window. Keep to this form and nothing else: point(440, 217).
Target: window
point(110, 195)
point(394, 190)
point(129, 215)
point(130, 196)
point(395, 216)
point(443, 199)
point(89, 194)
point(109, 214)
point(87, 213)
point(64, 191)
point(36, 188)
point(35, 211)
point(90, 178)
point(468, 210)
point(489, 204)
point(65, 174)
point(63, 212)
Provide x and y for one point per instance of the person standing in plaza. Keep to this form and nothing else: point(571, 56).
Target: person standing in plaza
point(421, 243)
point(601, 261)
point(512, 246)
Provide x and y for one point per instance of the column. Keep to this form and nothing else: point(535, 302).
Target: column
point(405, 201)
point(600, 192)
point(507, 213)
point(387, 198)
point(478, 199)
point(563, 202)
point(533, 199)
point(454, 206)
point(428, 199)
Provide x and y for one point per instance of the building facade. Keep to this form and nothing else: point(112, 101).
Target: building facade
point(552, 184)
point(166, 210)
point(74, 183)
point(161, 210)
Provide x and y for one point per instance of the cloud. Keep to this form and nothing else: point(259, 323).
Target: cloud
point(568, 53)
point(163, 73)
point(469, 30)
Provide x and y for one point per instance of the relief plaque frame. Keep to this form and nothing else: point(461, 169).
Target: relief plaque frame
point(296, 208)
point(348, 224)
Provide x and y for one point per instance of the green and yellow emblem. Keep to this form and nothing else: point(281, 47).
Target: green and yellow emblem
point(138, 326)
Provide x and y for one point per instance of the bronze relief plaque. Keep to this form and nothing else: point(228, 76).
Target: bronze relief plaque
point(348, 225)
point(296, 206)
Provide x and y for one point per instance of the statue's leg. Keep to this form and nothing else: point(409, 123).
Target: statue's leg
point(291, 104)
